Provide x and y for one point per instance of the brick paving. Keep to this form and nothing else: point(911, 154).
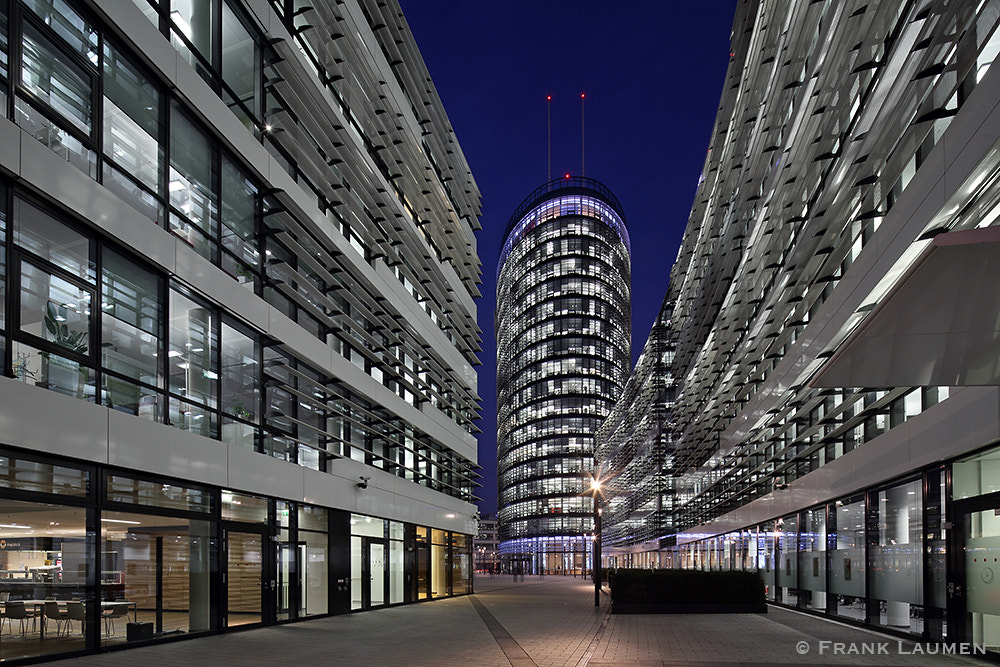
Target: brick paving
point(540, 622)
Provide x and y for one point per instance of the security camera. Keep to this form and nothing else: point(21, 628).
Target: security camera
point(363, 484)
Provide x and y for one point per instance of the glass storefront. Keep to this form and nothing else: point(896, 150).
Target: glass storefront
point(905, 557)
point(847, 573)
point(93, 558)
point(895, 562)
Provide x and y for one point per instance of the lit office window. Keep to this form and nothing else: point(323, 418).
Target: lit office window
point(315, 538)
point(69, 24)
point(239, 215)
point(3, 265)
point(193, 195)
point(55, 309)
point(193, 32)
point(4, 46)
point(56, 81)
point(240, 387)
point(52, 79)
point(43, 235)
point(151, 562)
point(131, 317)
point(132, 131)
point(240, 67)
point(191, 363)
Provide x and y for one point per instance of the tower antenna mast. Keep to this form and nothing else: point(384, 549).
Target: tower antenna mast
point(583, 139)
point(548, 107)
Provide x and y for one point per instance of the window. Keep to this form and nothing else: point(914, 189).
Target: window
point(131, 321)
point(4, 50)
point(193, 32)
point(56, 87)
point(55, 80)
point(895, 557)
point(54, 296)
point(240, 387)
point(193, 196)
point(75, 30)
point(43, 235)
point(239, 213)
point(55, 309)
point(133, 491)
point(240, 68)
point(191, 362)
point(3, 268)
point(132, 132)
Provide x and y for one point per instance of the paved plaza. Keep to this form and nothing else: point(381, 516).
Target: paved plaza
point(543, 622)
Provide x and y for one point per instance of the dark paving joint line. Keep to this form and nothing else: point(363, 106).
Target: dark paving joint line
point(589, 653)
point(511, 649)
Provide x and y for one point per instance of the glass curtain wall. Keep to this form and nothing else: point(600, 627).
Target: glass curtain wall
point(878, 557)
point(812, 559)
point(788, 560)
point(847, 558)
point(158, 557)
point(84, 95)
point(145, 558)
point(895, 557)
point(46, 565)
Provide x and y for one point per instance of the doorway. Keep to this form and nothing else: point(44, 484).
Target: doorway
point(975, 586)
point(244, 577)
point(373, 572)
point(289, 595)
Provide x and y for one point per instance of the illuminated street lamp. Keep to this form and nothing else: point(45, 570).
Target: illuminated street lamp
point(595, 487)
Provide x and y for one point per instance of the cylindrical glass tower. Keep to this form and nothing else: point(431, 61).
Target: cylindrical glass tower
point(563, 337)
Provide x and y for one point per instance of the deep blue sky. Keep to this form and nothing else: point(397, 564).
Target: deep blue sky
point(652, 72)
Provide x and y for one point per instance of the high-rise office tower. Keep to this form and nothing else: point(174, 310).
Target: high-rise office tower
point(833, 323)
point(238, 330)
point(563, 337)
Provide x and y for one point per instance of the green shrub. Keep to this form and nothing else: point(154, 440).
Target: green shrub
point(685, 587)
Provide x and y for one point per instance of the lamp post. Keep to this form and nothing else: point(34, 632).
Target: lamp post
point(595, 486)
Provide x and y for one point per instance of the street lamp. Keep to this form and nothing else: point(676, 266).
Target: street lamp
point(595, 486)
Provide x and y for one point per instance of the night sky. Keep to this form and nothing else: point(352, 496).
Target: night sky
point(652, 72)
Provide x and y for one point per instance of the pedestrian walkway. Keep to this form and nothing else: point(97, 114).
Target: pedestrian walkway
point(540, 622)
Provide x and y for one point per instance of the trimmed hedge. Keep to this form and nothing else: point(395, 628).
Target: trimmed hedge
point(677, 587)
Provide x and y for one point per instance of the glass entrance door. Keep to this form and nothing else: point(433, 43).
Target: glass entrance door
point(244, 577)
point(374, 569)
point(423, 582)
point(288, 580)
point(977, 593)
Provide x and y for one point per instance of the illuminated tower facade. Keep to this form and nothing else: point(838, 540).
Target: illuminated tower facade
point(563, 339)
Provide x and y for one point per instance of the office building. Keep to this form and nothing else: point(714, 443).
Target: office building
point(238, 331)
point(833, 325)
point(563, 335)
point(486, 546)
point(632, 448)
